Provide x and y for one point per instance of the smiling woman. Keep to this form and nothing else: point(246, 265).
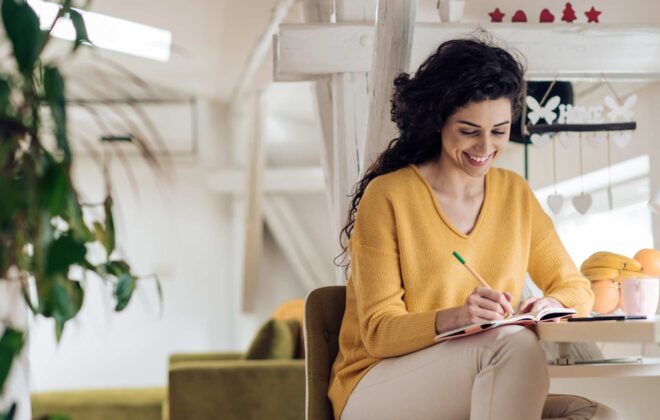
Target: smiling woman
point(434, 191)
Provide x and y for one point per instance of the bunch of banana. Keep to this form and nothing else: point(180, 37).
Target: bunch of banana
point(608, 266)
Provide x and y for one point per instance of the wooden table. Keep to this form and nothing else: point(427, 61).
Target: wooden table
point(632, 331)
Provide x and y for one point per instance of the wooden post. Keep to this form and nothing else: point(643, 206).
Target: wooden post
point(322, 11)
point(248, 231)
point(395, 27)
point(350, 113)
point(239, 119)
point(255, 163)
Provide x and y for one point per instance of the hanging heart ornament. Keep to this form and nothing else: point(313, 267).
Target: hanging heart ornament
point(593, 140)
point(540, 140)
point(555, 202)
point(582, 203)
point(622, 139)
point(566, 141)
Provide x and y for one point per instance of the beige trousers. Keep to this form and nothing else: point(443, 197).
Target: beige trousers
point(499, 374)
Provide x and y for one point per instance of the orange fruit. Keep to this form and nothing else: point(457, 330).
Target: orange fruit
point(650, 260)
point(607, 296)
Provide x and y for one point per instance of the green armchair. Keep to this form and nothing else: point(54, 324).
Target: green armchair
point(224, 386)
point(324, 311)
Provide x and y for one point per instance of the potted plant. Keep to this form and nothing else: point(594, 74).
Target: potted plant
point(44, 227)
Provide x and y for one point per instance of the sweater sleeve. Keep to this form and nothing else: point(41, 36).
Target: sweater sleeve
point(386, 327)
point(550, 266)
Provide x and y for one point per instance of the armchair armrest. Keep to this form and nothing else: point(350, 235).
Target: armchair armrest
point(204, 357)
point(238, 389)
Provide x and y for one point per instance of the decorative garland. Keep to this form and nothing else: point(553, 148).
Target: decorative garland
point(546, 16)
point(614, 118)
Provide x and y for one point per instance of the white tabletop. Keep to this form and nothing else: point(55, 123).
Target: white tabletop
point(630, 331)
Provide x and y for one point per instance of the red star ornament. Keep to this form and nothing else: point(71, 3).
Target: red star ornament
point(593, 14)
point(496, 15)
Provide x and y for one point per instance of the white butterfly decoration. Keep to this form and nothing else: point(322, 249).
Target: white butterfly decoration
point(547, 112)
point(620, 112)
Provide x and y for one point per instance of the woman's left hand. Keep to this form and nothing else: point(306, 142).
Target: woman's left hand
point(536, 304)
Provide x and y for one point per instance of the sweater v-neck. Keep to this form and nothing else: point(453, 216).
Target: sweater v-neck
point(444, 217)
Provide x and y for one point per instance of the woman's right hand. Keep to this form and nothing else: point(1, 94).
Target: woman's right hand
point(484, 305)
point(481, 306)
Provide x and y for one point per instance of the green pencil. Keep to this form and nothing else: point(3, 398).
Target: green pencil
point(474, 273)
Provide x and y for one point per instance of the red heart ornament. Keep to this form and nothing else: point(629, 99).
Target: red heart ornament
point(519, 16)
point(546, 16)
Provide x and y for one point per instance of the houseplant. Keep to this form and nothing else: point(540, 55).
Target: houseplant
point(45, 230)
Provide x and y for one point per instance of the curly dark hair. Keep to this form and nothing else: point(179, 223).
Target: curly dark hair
point(460, 71)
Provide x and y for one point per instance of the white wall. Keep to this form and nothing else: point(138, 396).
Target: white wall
point(176, 228)
point(184, 232)
point(180, 230)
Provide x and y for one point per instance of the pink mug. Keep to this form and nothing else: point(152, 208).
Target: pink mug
point(640, 296)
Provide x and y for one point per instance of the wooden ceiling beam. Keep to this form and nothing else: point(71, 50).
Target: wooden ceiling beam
point(571, 52)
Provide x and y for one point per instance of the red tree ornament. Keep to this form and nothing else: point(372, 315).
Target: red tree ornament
point(496, 15)
point(569, 14)
point(546, 16)
point(593, 14)
point(519, 16)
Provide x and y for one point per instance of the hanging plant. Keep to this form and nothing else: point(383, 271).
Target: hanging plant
point(43, 235)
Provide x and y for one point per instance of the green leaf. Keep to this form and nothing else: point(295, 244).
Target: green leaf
point(58, 195)
point(64, 252)
point(28, 300)
point(126, 281)
point(22, 27)
point(54, 90)
point(4, 263)
point(55, 186)
point(10, 345)
point(74, 216)
point(67, 298)
point(5, 91)
point(13, 193)
point(99, 232)
point(9, 415)
point(61, 299)
point(124, 290)
point(116, 268)
point(81, 30)
point(109, 243)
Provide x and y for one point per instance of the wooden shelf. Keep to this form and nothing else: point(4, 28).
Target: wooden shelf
point(648, 367)
point(643, 331)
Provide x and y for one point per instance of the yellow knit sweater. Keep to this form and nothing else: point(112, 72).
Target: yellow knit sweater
point(403, 271)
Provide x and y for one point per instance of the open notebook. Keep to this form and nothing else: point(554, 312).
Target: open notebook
point(544, 315)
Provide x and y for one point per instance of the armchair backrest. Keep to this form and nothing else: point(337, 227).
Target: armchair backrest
point(324, 310)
